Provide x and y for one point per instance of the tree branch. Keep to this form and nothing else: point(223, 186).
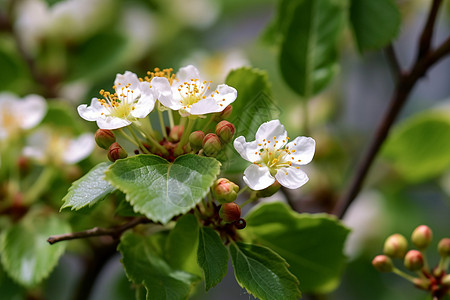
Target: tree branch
point(393, 61)
point(97, 231)
point(427, 33)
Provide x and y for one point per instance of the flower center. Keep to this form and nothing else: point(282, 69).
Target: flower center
point(119, 104)
point(157, 72)
point(193, 91)
point(9, 120)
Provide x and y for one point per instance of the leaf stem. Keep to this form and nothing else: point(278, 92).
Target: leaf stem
point(161, 124)
point(171, 123)
point(141, 146)
point(186, 132)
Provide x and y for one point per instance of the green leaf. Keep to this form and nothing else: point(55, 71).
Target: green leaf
point(374, 23)
point(161, 190)
point(62, 117)
point(263, 273)
point(9, 289)
point(419, 148)
point(144, 266)
point(309, 53)
point(25, 253)
point(182, 244)
point(89, 189)
point(212, 257)
point(311, 244)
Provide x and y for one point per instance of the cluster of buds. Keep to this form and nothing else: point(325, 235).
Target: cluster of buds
point(212, 143)
point(106, 139)
point(435, 280)
point(225, 192)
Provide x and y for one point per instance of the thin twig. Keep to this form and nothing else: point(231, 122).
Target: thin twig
point(427, 33)
point(393, 61)
point(97, 231)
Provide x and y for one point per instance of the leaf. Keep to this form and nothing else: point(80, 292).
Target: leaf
point(9, 289)
point(311, 244)
point(212, 257)
point(263, 273)
point(89, 189)
point(144, 266)
point(62, 117)
point(375, 23)
point(25, 253)
point(182, 244)
point(161, 190)
point(419, 147)
point(309, 53)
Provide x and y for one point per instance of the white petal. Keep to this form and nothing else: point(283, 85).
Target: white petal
point(92, 112)
point(272, 134)
point(112, 123)
point(304, 150)
point(291, 177)
point(248, 151)
point(79, 148)
point(187, 73)
point(218, 103)
point(163, 92)
point(258, 178)
point(37, 145)
point(143, 107)
point(32, 110)
point(127, 78)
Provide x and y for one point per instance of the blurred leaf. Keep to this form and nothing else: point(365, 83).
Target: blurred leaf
point(263, 273)
point(9, 289)
point(212, 257)
point(25, 253)
point(161, 190)
point(12, 70)
point(144, 266)
point(309, 53)
point(311, 244)
point(63, 117)
point(277, 28)
point(89, 189)
point(182, 244)
point(419, 148)
point(374, 23)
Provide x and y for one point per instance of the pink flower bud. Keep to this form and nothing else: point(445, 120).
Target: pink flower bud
point(224, 114)
point(382, 263)
point(413, 260)
point(104, 138)
point(225, 131)
point(211, 145)
point(395, 246)
point(444, 247)
point(269, 191)
point(225, 191)
point(116, 152)
point(196, 139)
point(176, 133)
point(230, 212)
point(421, 237)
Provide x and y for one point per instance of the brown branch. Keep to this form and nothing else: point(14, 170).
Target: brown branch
point(393, 61)
point(427, 33)
point(114, 232)
point(403, 88)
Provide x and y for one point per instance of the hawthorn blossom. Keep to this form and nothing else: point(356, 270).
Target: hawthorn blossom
point(188, 93)
point(274, 158)
point(46, 146)
point(131, 101)
point(17, 114)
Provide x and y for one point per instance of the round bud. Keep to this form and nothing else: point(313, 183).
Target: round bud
point(104, 138)
point(446, 280)
point(395, 246)
point(116, 152)
point(240, 224)
point(444, 247)
point(225, 131)
point(225, 191)
point(226, 113)
point(211, 145)
point(196, 139)
point(413, 260)
point(421, 237)
point(230, 212)
point(176, 133)
point(382, 263)
point(269, 191)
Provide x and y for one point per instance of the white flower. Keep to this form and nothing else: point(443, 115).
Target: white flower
point(191, 95)
point(131, 101)
point(45, 146)
point(16, 114)
point(274, 160)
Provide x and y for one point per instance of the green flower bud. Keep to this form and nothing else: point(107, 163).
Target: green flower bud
point(176, 133)
point(211, 145)
point(444, 247)
point(382, 263)
point(196, 139)
point(224, 114)
point(395, 246)
point(413, 260)
point(116, 152)
point(225, 131)
point(421, 237)
point(269, 191)
point(104, 138)
point(225, 191)
point(230, 212)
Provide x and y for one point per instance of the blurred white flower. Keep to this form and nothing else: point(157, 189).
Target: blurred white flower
point(272, 160)
point(194, 13)
point(46, 146)
point(20, 114)
point(131, 101)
